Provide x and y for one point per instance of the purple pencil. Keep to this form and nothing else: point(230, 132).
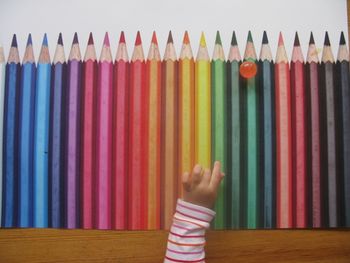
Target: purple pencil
point(73, 135)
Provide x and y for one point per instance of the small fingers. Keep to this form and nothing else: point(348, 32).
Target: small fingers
point(186, 181)
point(196, 174)
point(216, 176)
point(206, 177)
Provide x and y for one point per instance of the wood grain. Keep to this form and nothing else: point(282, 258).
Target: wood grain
point(58, 245)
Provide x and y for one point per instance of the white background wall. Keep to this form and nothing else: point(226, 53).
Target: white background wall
point(83, 16)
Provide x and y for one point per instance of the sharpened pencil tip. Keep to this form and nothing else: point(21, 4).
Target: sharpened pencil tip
point(75, 38)
point(122, 37)
point(311, 41)
point(186, 39)
point(14, 41)
point(60, 40)
point(326, 40)
point(202, 41)
point(91, 39)
point(138, 39)
point(45, 40)
point(280, 39)
point(265, 39)
point(218, 38)
point(342, 39)
point(296, 40)
point(233, 39)
point(170, 38)
point(250, 38)
point(106, 40)
point(29, 40)
point(154, 38)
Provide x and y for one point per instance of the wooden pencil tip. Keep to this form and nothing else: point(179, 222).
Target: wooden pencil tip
point(138, 39)
point(60, 41)
point(250, 38)
point(91, 39)
point(311, 41)
point(154, 38)
point(202, 41)
point(280, 39)
point(265, 39)
point(218, 38)
point(14, 41)
point(296, 40)
point(106, 40)
point(45, 40)
point(342, 39)
point(186, 39)
point(29, 40)
point(326, 40)
point(122, 37)
point(170, 38)
point(75, 38)
point(233, 39)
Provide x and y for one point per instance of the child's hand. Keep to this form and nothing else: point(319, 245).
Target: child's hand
point(202, 189)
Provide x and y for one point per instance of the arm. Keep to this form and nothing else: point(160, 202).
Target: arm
point(193, 215)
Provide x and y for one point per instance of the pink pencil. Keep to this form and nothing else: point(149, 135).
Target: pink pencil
point(104, 138)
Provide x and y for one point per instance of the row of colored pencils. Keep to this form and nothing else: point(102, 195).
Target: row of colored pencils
point(91, 143)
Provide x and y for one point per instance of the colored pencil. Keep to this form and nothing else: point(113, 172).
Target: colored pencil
point(104, 137)
point(314, 143)
point(10, 142)
point(186, 111)
point(153, 80)
point(267, 137)
point(25, 137)
point(88, 151)
point(41, 137)
point(252, 121)
point(202, 106)
point(2, 102)
point(235, 136)
point(56, 139)
point(342, 70)
point(299, 134)
point(138, 134)
point(283, 139)
point(219, 122)
point(169, 119)
point(120, 136)
point(328, 134)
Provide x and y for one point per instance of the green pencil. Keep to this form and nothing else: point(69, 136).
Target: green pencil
point(219, 132)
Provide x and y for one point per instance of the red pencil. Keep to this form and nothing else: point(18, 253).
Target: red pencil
point(299, 134)
point(283, 138)
point(120, 136)
point(104, 138)
point(88, 134)
point(153, 80)
point(137, 216)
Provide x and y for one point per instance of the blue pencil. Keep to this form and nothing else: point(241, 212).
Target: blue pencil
point(2, 98)
point(56, 157)
point(25, 139)
point(41, 137)
point(10, 181)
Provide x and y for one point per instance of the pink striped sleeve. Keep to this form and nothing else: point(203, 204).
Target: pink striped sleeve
point(186, 239)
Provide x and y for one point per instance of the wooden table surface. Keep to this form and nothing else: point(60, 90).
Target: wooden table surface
point(56, 245)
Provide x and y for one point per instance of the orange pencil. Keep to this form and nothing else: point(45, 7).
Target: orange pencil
point(153, 80)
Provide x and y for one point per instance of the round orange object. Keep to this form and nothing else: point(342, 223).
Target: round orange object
point(248, 69)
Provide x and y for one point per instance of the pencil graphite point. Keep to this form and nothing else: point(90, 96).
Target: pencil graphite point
point(14, 41)
point(106, 40)
point(75, 38)
point(312, 41)
point(218, 38)
point(202, 41)
point(186, 39)
point(60, 41)
point(170, 38)
point(138, 39)
point(326, 40)
point(296, 40)
point(250, 38)
point(122, 37)
point(265, 39)
point(233, 39)
point(29, 40)
point(280, 39)
point(154, 38)
point(91, 39)
point(45, 40)
point(342, 39)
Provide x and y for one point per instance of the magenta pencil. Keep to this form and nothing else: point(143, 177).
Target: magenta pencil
point(104, 138)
